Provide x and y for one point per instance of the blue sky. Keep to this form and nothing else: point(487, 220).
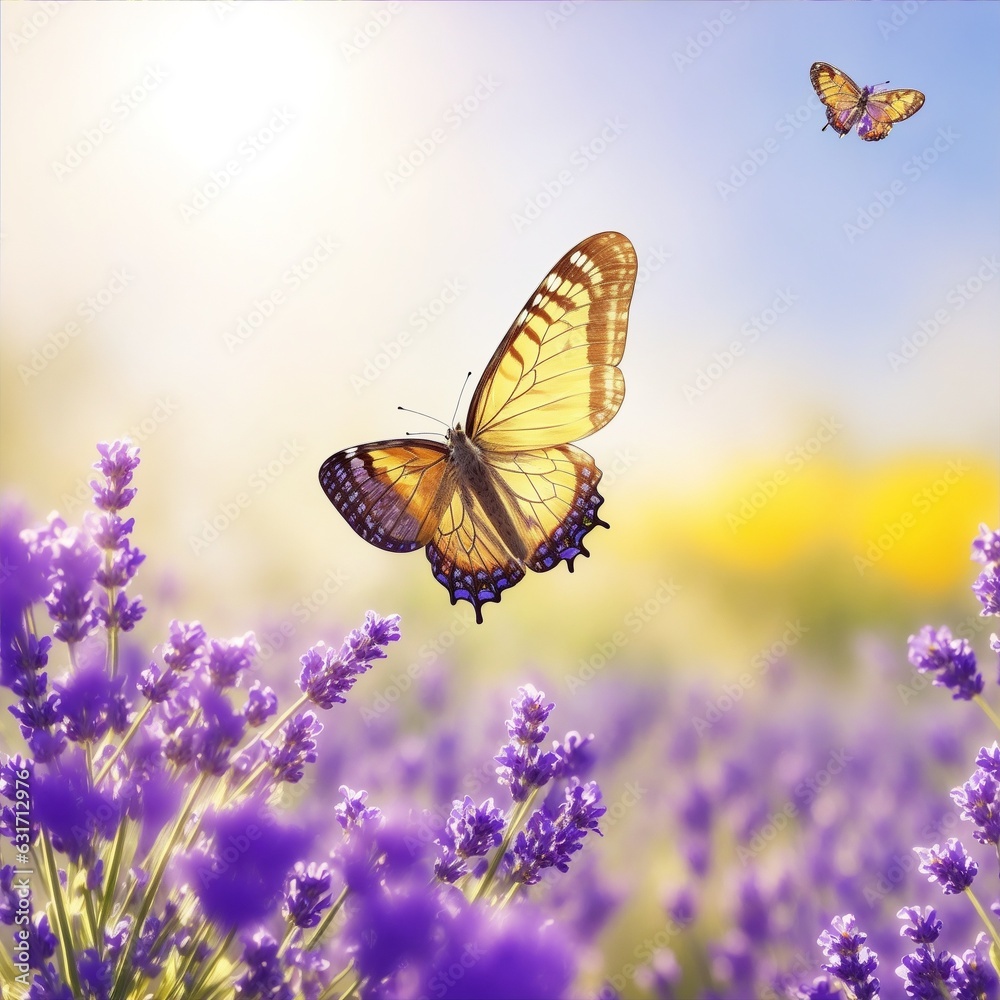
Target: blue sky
point(251, 153)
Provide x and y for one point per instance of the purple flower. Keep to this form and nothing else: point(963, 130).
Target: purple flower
point(71, 811)
point(239, 874)
point(296, 748)
point(988, 759)
point(89, 703)
point(987, 589)
point(979, 801)
point(327, 676)
point(117, 463)
point(157, 685)
point(471, 831)
point(522, 764)
point(265, 977)
point(986, 546)
point(926, 975)
point(228, 659)
point(261, 704)
point(70, 601)
point(353, 814)
point(220, 730)
point(935, 651)
point(576, 756)
point(96, 974)
point(185, 647)
point(549, 840)
point(850, 960)
point(308, 894)
point(975, 978)
point(924, 925)
point(950, 866)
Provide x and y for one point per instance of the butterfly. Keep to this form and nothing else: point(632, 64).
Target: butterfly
point(507, 492)
point(847, 105)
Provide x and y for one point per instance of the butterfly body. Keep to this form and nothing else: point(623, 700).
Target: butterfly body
point(874, 112)
point(507, 492)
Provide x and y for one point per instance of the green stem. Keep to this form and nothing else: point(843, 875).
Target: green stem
point(990, 924)
point(111, 875)
point(62, 917)
point(326, 921)
point(986, 707)
point(208, 966)
point(137, 722)
point(125, 962)
point(520, 811)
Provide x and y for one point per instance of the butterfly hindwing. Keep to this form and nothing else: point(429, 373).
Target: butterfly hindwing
point(386, 491)
point(549, 501)
point(847, 105)
point(554, 378)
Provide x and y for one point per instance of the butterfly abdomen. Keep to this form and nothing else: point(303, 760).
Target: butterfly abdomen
point(474, 475)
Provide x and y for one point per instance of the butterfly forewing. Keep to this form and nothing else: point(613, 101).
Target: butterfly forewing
point(386, 491)
point(554, 377)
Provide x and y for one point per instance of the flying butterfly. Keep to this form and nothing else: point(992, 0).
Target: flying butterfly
point(847, 105)
point(508, 491)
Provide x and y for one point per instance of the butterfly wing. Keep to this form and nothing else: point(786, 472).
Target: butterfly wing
point(388, 492)
point(839, 93)
point(883, 110)
point(534, 512)
point(554, 378)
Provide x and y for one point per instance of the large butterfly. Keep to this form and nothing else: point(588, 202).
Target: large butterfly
point(507, 492)
point(848, 105)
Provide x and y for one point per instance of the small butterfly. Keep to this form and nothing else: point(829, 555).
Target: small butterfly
point(848, 105)
point(508, 492)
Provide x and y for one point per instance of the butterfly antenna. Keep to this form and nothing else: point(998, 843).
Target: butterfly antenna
point(418, 413)
point(458, 403)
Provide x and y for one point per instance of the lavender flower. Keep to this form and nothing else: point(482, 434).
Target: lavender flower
point(523, 766)
point(979, 802)
point(975, 978)
point(850, 960)
point(308, 894)
point(327, 676)
point(950, 866)
point(987, 589)
point(935, 651)
point(471, 832)
point(986, 546)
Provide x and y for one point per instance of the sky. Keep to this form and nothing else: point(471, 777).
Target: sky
point(244, 234)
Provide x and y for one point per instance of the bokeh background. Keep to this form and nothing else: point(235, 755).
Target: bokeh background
point(243, 234)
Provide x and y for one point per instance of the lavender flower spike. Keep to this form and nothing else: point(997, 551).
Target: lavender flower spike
point(935, 651)
point(850, 960)
point(950, 866)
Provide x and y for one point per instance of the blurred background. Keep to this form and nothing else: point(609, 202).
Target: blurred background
point(243, 234)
